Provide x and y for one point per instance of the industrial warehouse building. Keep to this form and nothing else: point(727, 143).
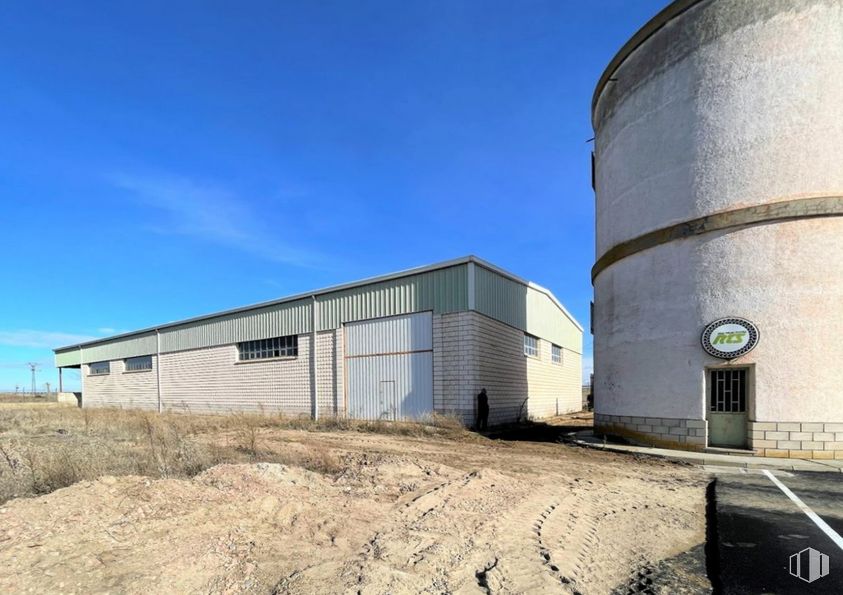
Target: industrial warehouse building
point(397, 347)
point(718, 310)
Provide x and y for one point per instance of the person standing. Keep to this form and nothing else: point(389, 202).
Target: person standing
point(482, 410)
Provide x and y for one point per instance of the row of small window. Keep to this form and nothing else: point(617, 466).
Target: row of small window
point(289, 347)
point(531, 349)
point(133, 364)
point(267, 348)
point(246, 351)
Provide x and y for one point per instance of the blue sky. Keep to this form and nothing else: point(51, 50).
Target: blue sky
point(160, 160)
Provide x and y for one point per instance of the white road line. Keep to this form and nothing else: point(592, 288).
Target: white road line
point(834, 535)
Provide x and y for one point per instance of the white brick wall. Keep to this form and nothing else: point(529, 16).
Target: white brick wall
point(453, 365)
point(554, 388)
point(211, 379)
point(120, 388)
point(472, 351)
point(329, 372)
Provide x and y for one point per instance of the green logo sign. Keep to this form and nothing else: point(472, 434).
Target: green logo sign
point(729, 338)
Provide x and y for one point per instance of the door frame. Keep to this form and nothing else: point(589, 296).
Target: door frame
point(392, 411)
point(344, 326)
point(750, 399)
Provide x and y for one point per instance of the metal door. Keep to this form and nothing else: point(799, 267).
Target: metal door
point(727, 407)
point(389, 367)
point(388, 404)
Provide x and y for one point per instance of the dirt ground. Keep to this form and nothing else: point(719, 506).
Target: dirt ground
point(397, 514)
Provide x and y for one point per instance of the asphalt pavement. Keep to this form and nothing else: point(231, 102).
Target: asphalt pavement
point(757, 527)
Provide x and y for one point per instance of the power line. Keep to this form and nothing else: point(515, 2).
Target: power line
point(33, 366)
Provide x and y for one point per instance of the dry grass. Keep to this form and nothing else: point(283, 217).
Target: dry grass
point(47, 448)
point(26, 398)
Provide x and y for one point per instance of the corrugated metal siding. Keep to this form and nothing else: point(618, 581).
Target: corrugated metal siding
point(109, 351)
point(500, 298)
point(524, 308)
point(442, 290)
point(398, 334)
point(384, 381)
point(68, 358)
point(392, 387)
point(292, 318)
point(546, 320)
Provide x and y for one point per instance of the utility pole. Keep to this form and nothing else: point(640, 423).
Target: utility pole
point(32, 367)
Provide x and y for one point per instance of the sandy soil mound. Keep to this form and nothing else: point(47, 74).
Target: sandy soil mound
point(403, 516)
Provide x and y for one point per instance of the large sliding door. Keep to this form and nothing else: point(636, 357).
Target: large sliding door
point(389, 367)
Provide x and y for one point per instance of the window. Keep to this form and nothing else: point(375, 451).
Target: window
point(136, 364)
point(531, 346)
point(99, 369)
point(267, 348)
point(728, 390)
point(556, 354)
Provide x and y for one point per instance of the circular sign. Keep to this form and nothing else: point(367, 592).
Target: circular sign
point(729, 338)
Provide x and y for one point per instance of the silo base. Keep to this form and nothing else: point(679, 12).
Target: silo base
point(795, 440)
point(662, 432)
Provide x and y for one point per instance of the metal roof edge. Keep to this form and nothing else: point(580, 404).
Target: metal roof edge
point(292, 298)
point(530, 284)
point(327, 290)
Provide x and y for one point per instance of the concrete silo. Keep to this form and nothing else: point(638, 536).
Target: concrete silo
point(718, 310)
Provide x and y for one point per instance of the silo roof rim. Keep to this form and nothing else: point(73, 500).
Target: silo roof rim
point(669, 12)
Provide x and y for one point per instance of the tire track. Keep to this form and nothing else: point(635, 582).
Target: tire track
point(408, 542)
point(641, 581)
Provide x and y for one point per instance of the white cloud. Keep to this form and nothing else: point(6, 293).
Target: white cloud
point(212, 214)
point(40, 339)
point(106, 330)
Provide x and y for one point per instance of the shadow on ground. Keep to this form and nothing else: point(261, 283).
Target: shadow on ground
point(548, 430)
point(683, 574)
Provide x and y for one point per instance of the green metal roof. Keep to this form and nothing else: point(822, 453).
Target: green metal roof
point(441, 288)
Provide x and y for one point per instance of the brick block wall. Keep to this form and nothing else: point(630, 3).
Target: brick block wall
point(800, 440)
point(329, 360)
point(554, 388)
point(212, 380)
point(119, 388)
point(502, 369)
point(473, 351)
point(797, 440)
point(453, 366)
point(664, 432)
